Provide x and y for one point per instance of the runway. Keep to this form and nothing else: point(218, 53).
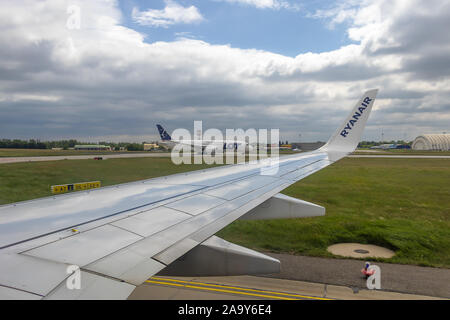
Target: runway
point(84, 157)
point(255, 288)
point(167, 154)
point(397, 156)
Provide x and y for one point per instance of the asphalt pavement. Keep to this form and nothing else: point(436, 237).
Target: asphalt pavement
point(305, 278)
point(347, 272)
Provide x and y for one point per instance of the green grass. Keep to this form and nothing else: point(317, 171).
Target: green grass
point(402, 204)
point(48, 152)
point(29, 180)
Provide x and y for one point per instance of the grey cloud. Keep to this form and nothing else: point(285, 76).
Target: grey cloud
point(124, 87)
point(432, 66)
point(421, 39)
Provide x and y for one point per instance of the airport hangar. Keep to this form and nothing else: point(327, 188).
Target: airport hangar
point(436, 142)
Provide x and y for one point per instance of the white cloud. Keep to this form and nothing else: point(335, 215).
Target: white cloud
point(339, 13)
point(266, 4)
point(173, 13)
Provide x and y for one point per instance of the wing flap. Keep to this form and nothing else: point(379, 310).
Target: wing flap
point(30, 274)
point(126, 265)
point(92, 287)
point(14, 294)
point(86, 247)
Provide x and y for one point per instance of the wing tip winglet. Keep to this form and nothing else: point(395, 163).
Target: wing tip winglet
point(348, 134)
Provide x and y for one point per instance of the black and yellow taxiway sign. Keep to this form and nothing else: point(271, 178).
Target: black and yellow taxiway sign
point(75, 186)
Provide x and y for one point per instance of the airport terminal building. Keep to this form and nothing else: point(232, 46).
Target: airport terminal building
point(436, 142)
point(97, 147)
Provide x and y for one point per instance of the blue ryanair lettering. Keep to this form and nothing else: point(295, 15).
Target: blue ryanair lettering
point(352, 122)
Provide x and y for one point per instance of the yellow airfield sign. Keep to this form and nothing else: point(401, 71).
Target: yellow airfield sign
point(75, 186)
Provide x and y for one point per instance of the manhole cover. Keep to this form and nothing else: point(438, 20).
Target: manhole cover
point(360, 250)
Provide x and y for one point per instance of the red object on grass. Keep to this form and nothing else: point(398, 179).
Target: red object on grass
point(367, 272)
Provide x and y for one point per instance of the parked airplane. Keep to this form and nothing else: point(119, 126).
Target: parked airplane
point(166, 140)
point(102, 243)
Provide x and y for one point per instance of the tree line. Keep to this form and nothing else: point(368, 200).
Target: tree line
point(64, 144)
point(368, 144)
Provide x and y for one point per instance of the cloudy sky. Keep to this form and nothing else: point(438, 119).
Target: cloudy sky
point(107, 69)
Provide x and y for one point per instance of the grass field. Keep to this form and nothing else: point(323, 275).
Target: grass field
point(403, 204)
point(29, 180)
point(49, 152)
point(401, 152)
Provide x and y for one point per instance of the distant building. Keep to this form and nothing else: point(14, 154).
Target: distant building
point(150, 146)
point(385, 146)
point(437, 142)
point(391, 146)
point(403, 146)
point(92, 147)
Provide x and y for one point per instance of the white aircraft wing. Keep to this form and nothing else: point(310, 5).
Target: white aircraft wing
point(119, 236)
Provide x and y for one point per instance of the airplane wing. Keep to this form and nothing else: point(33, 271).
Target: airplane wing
point(102, 243)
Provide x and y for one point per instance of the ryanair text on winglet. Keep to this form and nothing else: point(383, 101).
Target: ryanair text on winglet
point(75, 186)
point(355, 117)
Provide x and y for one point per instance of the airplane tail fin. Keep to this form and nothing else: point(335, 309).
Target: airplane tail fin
point(348, 135)
point(163, 133)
